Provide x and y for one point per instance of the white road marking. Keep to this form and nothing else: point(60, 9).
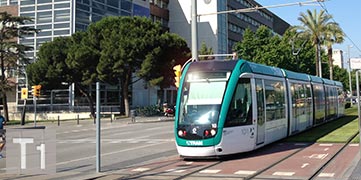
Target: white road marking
point(176, 170)
point(354, 145)
point(325, 144)
point(210, 171)
point(318, 156)
point(279, 173)
point(326, 175)
point(243, 172)
point(188, 163)
point(305, 165)
point(141, 169)
point(107, 154)
point(326, 149)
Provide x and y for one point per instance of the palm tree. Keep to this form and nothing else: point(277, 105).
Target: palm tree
point(333, 34)
point(313, 27)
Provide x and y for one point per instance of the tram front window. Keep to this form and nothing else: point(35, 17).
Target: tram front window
point(201, 103)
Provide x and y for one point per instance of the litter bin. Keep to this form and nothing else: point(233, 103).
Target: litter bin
point(2, 120)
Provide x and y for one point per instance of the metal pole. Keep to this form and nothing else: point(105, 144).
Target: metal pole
point(194, 31)
point(349, 73)
point(319, 60)
point(98, 127)
point(358, 104)
point(25, 100)
point(34, 101)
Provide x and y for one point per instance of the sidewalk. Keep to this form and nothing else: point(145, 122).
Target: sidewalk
point(356, 173)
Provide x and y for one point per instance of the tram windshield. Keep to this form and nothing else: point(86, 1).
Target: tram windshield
point(201, 101)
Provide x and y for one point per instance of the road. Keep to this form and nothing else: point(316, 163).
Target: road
point(123, 145)
point(147, 151)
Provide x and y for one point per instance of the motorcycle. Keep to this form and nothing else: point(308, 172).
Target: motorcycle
point(169, 112)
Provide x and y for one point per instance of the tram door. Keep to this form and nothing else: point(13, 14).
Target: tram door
point(260, 112)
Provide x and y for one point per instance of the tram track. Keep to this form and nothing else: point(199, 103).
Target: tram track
point(333, 157)
point(316, 173)
point(273, 164)
point(143, 173)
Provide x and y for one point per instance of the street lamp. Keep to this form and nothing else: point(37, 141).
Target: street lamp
point(194, 30)
point(349, 72)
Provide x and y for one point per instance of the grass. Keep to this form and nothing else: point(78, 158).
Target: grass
point(337, 131)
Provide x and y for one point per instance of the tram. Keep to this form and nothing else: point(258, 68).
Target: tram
point(228, 107)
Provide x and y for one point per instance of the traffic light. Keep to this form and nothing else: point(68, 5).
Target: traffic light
point(36, 90)
point(24, 93)
point(178, 73)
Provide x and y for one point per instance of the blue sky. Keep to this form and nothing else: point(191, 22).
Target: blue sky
point(345, 12)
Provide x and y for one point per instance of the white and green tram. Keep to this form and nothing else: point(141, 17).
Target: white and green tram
point(228, 107)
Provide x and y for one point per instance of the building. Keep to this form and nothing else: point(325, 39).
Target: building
point(221, 31)
point(355, 63)
point(58, 18)
point(337, 56)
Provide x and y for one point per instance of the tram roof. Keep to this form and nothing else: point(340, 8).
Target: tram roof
point(295, 75)
point(316, 79)
point(327, 81)
point(263, 69)
point(212, 65)
point(338, 83)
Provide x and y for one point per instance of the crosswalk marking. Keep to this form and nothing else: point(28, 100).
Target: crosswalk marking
point(325, 144)
point(176, 170)
point(279, 173)
point(210, 171)
point(141, 169)
point(243, 172)
point(326, 174)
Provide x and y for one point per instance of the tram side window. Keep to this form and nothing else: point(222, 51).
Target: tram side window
point(240, 110)
point(275, 100)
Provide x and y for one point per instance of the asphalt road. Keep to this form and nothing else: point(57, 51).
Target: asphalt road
point(123, 144)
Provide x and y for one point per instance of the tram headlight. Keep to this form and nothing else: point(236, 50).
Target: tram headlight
point(213, 132)
point(182, 133)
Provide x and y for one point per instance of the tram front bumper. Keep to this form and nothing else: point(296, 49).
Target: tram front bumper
point(196, 151)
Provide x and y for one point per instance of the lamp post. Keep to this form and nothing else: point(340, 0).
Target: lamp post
point(194, 31)
point(349, 72)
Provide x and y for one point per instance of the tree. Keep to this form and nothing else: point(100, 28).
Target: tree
point(12, 54)
point(285, 52)
point(246, 49)
point(205, 51)
point(50, 69)
point(333, 34)
point(82, 61)
point(124, 43)
point(157, 68)
point(313, 27)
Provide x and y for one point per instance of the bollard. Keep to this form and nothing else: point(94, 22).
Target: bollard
point(132, 114)
point(78, 119)
point(58, 120)
point(111, 117)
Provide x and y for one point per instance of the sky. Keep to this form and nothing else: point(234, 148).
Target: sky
point(347, 13)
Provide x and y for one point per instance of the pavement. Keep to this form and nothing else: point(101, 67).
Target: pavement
point(356, 173)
